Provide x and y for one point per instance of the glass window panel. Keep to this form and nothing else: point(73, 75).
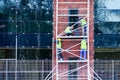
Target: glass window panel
point(107, 28)
point(72, 66)
point(107, 55)
point(34, 54)
point(43, 15)
point(27, 40)
point(24, 2)
point(7, 53)
point(11, 13)
point(109, 4)
point(34, 27)
point(73, 11)
point(73, 19)
point(27, 27)
point(40, 15)
point(11, 2)
point(11, 27)
point(108, 15)
point(7, 21)
point(107, 10)
point(42, 40)
point(107, 22)
point(7, 40)
point(27, 19)
point(2, 5)
point(46, 40)
point(3, 21)
point(107, 40)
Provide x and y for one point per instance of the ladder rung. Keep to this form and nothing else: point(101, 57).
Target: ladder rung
point(70, 37)
point(73, 39)
point(66, 22)
point(74, 78)
point(76, 75)
point(72, 15)
point(73, 9)
point(72, 2)
point(72, 61)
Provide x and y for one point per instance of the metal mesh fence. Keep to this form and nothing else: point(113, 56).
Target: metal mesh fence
point(25, 69)
point(108, 69)
point(39, 69)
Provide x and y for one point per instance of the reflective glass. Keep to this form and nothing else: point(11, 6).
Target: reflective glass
point(35, 40)
point(7, 40)
point(108, 4)
point(28, 15)
point(107, 10)
point(107, 23)
point(38, 54)
point(107, 15)
point(107, 40)
point(29, 20)
point(107, 27)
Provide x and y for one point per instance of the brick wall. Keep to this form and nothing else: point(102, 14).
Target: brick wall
point(61, 27)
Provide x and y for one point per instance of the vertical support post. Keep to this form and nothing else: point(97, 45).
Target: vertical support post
point(6, 69)
point(16, 57)
point(16, 47)
point(52, 55)
point(112, 69)
point(88, 54)
point(56, 39)
point(42, 69)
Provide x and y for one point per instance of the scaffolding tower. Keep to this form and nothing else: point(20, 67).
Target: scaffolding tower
point(75, 66)
point(72, 66)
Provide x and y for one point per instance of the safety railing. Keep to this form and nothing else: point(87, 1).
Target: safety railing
point(40, 69)
point(107, 69)
point(26, 69)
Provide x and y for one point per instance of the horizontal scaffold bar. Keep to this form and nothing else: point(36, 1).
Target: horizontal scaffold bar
point(72, 15)
point(70, 37)
point(72, 9)
point(65, 61)
point(72, 2)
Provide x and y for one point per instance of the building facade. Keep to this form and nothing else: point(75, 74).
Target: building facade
point(107, 35)
point(26, 28)
point(25, 39)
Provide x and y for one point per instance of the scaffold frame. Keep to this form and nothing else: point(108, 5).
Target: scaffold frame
point(73, 37)
point(55, 71)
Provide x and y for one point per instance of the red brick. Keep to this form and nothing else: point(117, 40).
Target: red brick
point(66, 44)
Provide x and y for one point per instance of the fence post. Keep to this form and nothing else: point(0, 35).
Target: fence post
point(112, 69)
point(42, 69)
point(6, 69)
